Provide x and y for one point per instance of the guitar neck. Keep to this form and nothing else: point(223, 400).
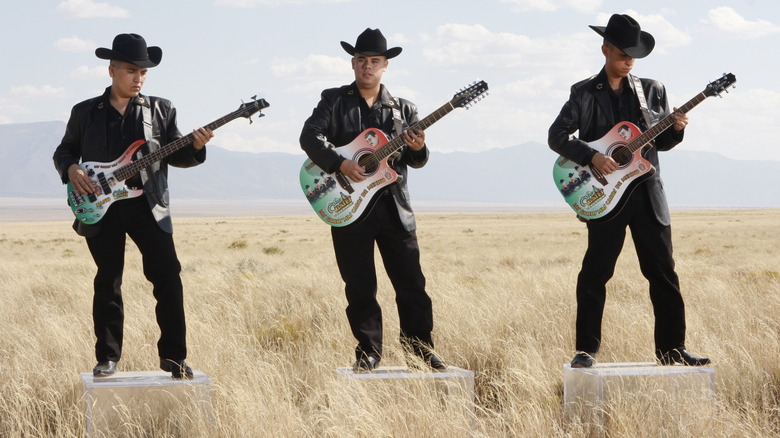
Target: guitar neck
point(647, 136)
point(131, 169)
point(393, 145)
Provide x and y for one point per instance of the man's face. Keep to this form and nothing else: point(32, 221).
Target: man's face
point(126, 79)
point(617, 64)
point(372, 140)
point(368, 69)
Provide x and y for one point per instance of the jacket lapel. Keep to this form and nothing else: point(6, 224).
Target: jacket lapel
point(601, 92)
point(353, 109)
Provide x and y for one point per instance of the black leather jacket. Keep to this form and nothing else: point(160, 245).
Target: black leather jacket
point(85, 139)
point(336, 122)
point(589, 111)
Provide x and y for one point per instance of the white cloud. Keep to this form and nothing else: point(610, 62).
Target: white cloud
point(7, 107)
point(312, 65)
point(536, 86)
point(255, 3)
point(84, 72)
point(74, 45)
point(46, 91)
point(457, 45)
point(583, 6)
point(740, 119)
point(725, 20)
point(91, 9)
point(237, 142)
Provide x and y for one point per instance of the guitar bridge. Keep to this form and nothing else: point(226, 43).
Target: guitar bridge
point(344, 182)
point(599, 176)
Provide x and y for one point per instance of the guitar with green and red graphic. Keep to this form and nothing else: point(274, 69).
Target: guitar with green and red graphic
point(597, 197)
point(336, 199)
point(108, 179)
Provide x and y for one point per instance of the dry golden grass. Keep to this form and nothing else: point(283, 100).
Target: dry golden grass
point(266, 322)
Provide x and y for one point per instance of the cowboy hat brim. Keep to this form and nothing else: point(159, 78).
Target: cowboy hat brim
point(154, 56)
point(389, 53)
point(640, 50)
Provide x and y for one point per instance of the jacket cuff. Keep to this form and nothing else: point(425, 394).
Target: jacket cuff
point(589, 157)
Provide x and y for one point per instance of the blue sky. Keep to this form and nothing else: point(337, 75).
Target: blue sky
point(216, 53)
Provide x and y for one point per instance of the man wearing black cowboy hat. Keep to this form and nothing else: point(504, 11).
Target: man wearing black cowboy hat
point(101, 129)
point(340, 116)
point(595, 105)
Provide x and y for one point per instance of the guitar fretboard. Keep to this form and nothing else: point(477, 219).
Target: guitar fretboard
point(393, 145)
point(647, 136)
point(134, 167)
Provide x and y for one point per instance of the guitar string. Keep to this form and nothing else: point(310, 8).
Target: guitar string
point(125, 172)
point(624, 154)
point(371, 160)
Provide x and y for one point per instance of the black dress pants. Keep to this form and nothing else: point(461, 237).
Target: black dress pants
point(354, 247)
point(132, 217)
point(653, 243)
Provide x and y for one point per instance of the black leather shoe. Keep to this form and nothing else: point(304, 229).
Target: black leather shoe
point(680, 356)
point(435, 363)
point(104, 368)
point(583, 360)
point(428, 358)
point(365, 364)
point(178, 368)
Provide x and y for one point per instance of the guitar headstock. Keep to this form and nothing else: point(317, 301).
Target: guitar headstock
point(467, 96)
point(248, 109)
point(718, 86)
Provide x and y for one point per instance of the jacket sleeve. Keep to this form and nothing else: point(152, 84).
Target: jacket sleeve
point(68, 152)
point(187, 156)
point(412, 158)
point(559, 136)
point(314, 135)
point(670, 137)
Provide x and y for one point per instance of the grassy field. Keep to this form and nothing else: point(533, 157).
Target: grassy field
point(266, 322)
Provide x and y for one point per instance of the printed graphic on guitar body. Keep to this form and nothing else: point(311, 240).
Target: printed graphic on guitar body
point(593, 195)
point(337, 200)
point(91, 207)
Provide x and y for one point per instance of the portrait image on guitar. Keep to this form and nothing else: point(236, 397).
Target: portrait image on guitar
point(596, 196)
point(340, 201)
point(109, 179)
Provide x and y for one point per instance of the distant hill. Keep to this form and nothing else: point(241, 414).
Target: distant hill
point(513, 175)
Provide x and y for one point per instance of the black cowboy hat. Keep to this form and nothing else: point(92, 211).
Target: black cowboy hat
point(624, 32)
point(130, 47)
point(372, 43)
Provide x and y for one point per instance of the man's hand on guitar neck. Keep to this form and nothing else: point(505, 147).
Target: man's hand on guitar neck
point(80, 180)
point(352, 170)
point(680, 119)
point(415, 139)
point(603, 163)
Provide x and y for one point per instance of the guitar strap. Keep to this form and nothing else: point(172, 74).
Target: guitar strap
point(640, 94)
point(398, 125)
point(146, 116)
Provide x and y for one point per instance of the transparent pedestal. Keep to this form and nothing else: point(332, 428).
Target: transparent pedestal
point(645, 393)
point(147, 400)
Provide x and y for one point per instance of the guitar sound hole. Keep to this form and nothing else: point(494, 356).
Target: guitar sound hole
point(622, 155)
point(370, 163)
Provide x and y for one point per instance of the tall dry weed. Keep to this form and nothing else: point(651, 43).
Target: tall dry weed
point(266, 321)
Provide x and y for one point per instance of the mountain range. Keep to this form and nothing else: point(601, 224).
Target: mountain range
point(519, 174)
